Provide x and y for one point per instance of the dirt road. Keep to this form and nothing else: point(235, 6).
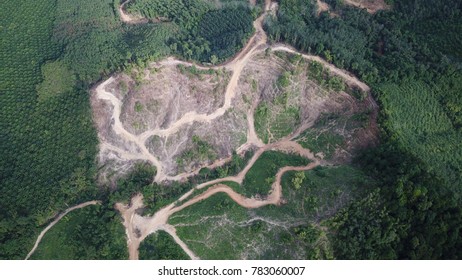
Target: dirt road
point(236, 66)
point(122, 132)
point(139, 227)
point(370, 6)
point(274, 198)
point(322, 7)
point(127, 18)
point(123, 16)
point(39, 238)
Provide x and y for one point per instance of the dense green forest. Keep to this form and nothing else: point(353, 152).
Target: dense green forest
point(210, 32)
point(51, 52)
point(411, 57)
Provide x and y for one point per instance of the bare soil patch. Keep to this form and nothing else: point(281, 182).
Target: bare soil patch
point(155, 114)
point(322, 7)
point(372, 6)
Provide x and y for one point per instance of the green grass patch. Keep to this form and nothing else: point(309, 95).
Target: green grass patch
point(138, 107)
point(262, 174)
point(199, 152)
point(194, 72)
point(261, 118)
point(161, 246)
point(274, 122)
point(325, 142)
point(218, 228)
point(57, 79)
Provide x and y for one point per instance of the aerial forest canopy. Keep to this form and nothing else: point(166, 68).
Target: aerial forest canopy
point(209, 32)
point(53, 51)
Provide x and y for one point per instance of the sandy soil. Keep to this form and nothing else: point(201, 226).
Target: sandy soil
point(322, 7)
point(39, 238)
point(372, 6)
point(130, 19)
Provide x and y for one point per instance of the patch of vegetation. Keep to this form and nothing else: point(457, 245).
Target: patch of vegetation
point(57, 79)
point(226, 30)
point(410, 216)
point(210, 32)
point(138, 107)
point(324, 78)
point(262, 174)
point(275, 121)
point(233, 232)
point(331, 132)
point(140, 180)
point(262, 115)
point(200, 151)
point(321, 141)
point(161, 246)
point(236, 165)
point(315, 241)
point(432, 138)
point(193, 71)
point(90, 233)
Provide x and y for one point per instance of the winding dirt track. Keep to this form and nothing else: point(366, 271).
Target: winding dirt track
point(123, 16)
point(236, 66)
point(139, 227)
point(322, 7)
point(370, 6)
point(39, 238)
point(274, 198)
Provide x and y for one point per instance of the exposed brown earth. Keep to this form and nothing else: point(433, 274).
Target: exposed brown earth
point(322, 7)
point(372, 6)
point(128, 144)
